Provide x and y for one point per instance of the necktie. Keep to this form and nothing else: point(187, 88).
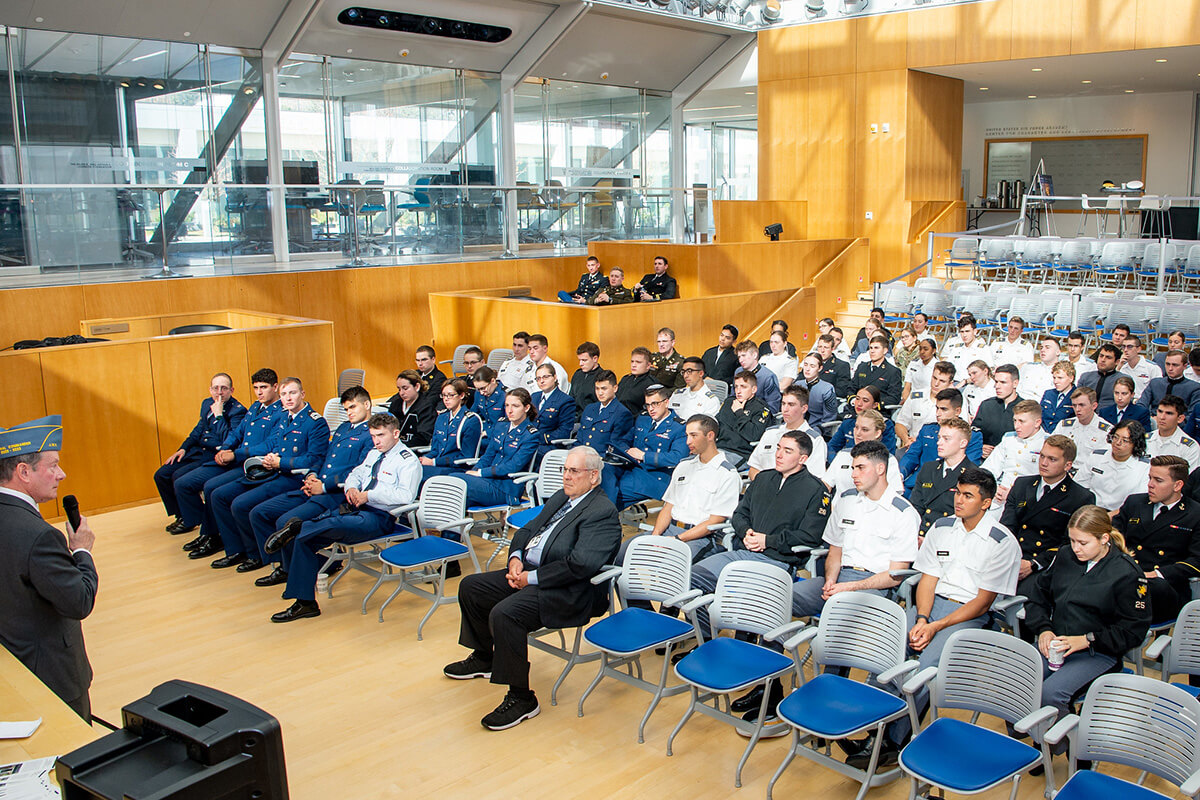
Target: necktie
point(374, 473)
point(537, 537)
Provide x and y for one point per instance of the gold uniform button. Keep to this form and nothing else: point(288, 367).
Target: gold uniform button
point(929, 511)
point(1161, 553)
point(1023, 527)
point(1037, 544)
point(1139, 547)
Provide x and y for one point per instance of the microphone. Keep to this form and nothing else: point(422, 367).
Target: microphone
point(71, 507)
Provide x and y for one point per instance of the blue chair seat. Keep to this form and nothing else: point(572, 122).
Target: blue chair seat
point(963, 757)
point(1088, 785)
point(1060, 333)
point(833, 707)
point(1194, 691)
point(524, 517)
point(422, 550)
point(632, 630)
point(726, 665)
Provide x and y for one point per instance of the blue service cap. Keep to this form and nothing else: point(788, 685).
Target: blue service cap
point(34, 436)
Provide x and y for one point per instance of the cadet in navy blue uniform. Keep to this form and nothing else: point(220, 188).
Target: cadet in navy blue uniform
point(219, 414)
point(321, 490)
point(299, 442)
point(194, 490)
point(606, 421)
point(659, 444)
point(948, 403)
point(1125, 408)
point(489, 396)
point(456, 433)
point(865, 399)
point(555, 409)
point(511, 446)
point(1056, 402)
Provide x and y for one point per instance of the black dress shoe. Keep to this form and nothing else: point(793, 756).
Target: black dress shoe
point(280, 538)
point(773, 702)
point(249, 565)
point(298, 610)
point(192, 544)
point(855, 747)
point(277, 576)
point(889, 756)
point(179, 526)
point(453, 569)
point(680, 655)
point(226, 562)
point(208, 547)
point(747, 701)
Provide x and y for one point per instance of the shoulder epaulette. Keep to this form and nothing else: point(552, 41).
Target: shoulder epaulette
point(944, 522)
point(315, 415)
point(1010, 433)
point(998, 533)
point(1067, 423)
point(851, 492)
point(1103, 424)
point(900, 503)
point(1186, 440)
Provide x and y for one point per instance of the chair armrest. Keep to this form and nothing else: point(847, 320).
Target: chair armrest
point(401, 510)
point(700, 602)
point(676, 601)
point(466, 462)
point(605, 575)
point(523, 477)
point(1035, 719)
point(1008, 602)
point(562, 442)
point(458, 525)
point(801, 549)
point(898, 672)
point(808, 634)
point(1157, 647)
point(1191, 787)
point(923, 677)
point(645, 526)
point(420, 449)
point(1061, 728)
point(448, 360)
point(902, 575)
point(784, 630)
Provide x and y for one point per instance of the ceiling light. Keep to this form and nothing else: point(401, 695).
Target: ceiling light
point(187, 34)
point(125, 84)
point(1160, 61)
point(39, 19)
point(1032, 96)
point(1129, 91)
point(148, 55)
point(158, 86)
point(983, 88)
point(1085, 81)
point(1036, 69)
point(770, 12)
point(815, 8)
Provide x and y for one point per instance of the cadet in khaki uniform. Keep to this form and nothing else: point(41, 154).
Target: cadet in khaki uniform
point(615, 293)
point(666, 363)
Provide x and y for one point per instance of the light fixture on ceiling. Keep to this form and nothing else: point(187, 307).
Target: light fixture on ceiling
point(148, 55)
point(158, 86)
point(770, 12)
point(125, 84)
point(854, 6)
point(1160, 61)
point(1129, 91)
point(984, 88)
point(814, 8)
point(1036, 69)
point(1085, 81)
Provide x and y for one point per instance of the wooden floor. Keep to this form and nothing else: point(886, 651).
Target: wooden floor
point(365, 710)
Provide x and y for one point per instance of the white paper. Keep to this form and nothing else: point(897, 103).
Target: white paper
point(29, 780)
point(19, 730)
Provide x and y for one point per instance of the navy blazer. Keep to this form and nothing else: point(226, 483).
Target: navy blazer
point(1132, 411)
point(555, 417)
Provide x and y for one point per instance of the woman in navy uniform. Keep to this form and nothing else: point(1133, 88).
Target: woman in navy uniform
point(1091, 604)
point(555, 409)
point(1056, 402)
point(415, 407)
point(456, 433)
point(511, 445)
point(488, 402)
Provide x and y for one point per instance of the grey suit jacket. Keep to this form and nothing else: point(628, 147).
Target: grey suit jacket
point(44, 593)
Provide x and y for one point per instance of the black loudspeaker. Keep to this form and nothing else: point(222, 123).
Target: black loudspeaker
point(182, 741)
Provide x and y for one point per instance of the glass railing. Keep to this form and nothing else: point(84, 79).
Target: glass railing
point(69, 233)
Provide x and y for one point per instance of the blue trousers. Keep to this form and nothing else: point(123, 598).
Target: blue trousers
point(428, 472)
point(301, 556)
point(189, 491)
point(231, 507)
point(166, 475)
point(638, 483)
point(208, 527)
point(270, 515)
point(491, 491)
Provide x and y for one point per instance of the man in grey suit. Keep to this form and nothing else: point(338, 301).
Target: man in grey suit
point(547, 584)
point(47, 582)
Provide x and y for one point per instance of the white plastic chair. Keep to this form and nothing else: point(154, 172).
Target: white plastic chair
point(457, 367)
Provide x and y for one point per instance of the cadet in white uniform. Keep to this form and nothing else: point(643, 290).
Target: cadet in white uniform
point(967, 347)
point(920, 370)
point(920, 407)
point(1017, 454)
point(538, 353)
point(1013, 349)
point(1036, 378)
point(794, 406)
point(518, 371)
point(695, 397)
point(1142, 370)
point(1169, 440)
point(978, 387)
point(1086, 428)
point(1120, 472)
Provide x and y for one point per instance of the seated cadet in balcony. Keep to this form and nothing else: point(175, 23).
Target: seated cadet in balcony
point(822, 397)
point(1124, 408)
point(721, 361)
point(1056, 401)
point(743, 419)
point(834, 370)
point(456, 433)
point(631, 391)
point(615, 293)
point(947, 404)
point(511, 446)
point(555, 410)
point(220, 415)
point(583, 380)
point(865, 399)
point(590, 282)
point(876, 371)
point(667, 361)
point(695, 397)
point(659, 444)
point(657, 285)
point(605, 421)
point(415, 407)
point(935, 482)
point(321, 490)
point(488, 402)
point(427, 368)
point(768, 384)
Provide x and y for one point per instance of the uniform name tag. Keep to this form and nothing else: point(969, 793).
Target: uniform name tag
point(847, 522)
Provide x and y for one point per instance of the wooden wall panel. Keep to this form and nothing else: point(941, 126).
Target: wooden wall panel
point(783, 139)
point(783, 53)
point(932, 36)
point(934, 119)
point(830, 155)
point(991, 24)
point(882, 42)
point(1041, 28)
point(1167, 23)
point(744, 220)
point(122, 300)
point(192, 294)
point(23, 398)
point(833, 48)
point(800, 311)
point(729, 268)
point(105, 393)
point(305, 351)
point(1102, 26)
point(181, 368)
point(841, 282)
point(38, 313)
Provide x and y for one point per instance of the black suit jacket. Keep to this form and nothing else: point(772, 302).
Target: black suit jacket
point(44, 593)
point(933, 493)
point(836, 373)
point(1041, 525)
point(720, 365)
point(583, 542)
point(1169, 544)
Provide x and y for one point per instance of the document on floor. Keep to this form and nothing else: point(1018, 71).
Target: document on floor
point(19, 730)
point(29, 780)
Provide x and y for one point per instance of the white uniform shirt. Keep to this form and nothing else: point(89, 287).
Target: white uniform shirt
point(974, 395)
point(686, 403)
point(530, 384)
point(1145, 371)
point(1113, 481)
point(968, 562)
point(961, 355)
point(784, 366)
point(1091, 440)
point(763, 456)
point(1015, 457)
point(1175, 445)
point(1015, 353)
point(919, 374)
point(513, 373)
point(873, 533)
point(915, 412)
point(699, 491)
point(1084, 364)
point(838, 475)
point(1036, 380)
point(1190, 374)
point(397, 482)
